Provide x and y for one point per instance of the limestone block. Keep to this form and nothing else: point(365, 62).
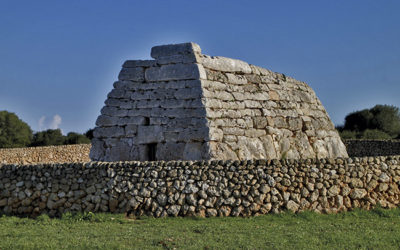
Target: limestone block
point(131, 130)
point(260, 122)
point(108, 132)
point(221, 151)
point(250, 148)
point(133, 120)
point(194, 134)
point(225, 64)
point(114, 111)
point(216, 134)
point(269, 147)
point(188, 93)
point(120, 152)
point(193, 151)
point(149, 134)
point(175, 49)
point(106, 121)
point(170, 151)
point(236, 79)
point(138, 63)
point(221, 95)
point(175, 72)
point(132, 74)
point(213, 85)
point(186, 58)
point(97, 150)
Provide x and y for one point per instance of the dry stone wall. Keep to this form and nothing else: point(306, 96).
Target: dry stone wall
point(49, 154)
point(188, 106)
point(359, 148)
point(201, 188)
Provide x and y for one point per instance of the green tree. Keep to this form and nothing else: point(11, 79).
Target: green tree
point(89, 134)
point(379, 122)
point(358, 121)
point(387, 119)
point(76, 138)
point(13, 131)
point(48, 137)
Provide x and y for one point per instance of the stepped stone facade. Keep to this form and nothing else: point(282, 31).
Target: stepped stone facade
point(188, 106)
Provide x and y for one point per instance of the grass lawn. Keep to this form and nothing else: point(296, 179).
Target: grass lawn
point(377, 229)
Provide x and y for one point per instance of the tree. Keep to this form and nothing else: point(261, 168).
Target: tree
point(75, 138)
point(387, 119)
point(48, 137)
point(358, 121)
point(89, 134)
point(13, 131)
point(379, 122)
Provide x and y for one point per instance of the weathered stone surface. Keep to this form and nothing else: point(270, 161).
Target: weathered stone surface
point(132, 74)
point(225, 64)
point(174, 49)
point(243, 111)
point(175, 72)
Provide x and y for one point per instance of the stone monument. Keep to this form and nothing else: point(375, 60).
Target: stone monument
point(188, 106)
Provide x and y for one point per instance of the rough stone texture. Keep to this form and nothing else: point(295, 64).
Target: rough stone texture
point(359, 148)
point(49, 154)
point(187, 106)
point(201, 188)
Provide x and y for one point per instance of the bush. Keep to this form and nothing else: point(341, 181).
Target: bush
point(75, 138)
point(13, 131)
point(48, 137)
point(379, 122)
point(347, 134)
point(375, 134)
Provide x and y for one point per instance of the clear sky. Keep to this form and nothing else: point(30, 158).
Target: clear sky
point(59, 59)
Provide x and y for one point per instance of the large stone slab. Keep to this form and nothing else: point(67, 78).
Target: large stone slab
point(174, 49)
point(174, 72)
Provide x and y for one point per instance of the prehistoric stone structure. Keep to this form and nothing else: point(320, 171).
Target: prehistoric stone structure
point(187, 106)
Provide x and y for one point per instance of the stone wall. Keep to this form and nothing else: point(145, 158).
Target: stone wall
point(50, 154)
point(188, 106)
point(359, 148)
point(201, 188)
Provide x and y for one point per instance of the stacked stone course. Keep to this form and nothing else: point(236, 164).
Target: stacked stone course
point(48, 154)
point(188, 106)
point(201, 188)
point(360, 148)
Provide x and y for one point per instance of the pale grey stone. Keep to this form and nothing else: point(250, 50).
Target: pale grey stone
point(132, 74)
point(106, 121)
point(149, 134)
point(292, 206)
point(225, 64)
point(358, 193)
point(175, 72)
point(193, 151)
point(184, 58)
point(108, 132)
point(174, 49)
point(138, 63)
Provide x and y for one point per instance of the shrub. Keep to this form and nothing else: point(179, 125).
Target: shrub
point(13, 131)
point(375, 134)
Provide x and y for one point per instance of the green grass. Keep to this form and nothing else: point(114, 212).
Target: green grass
point(377, 229)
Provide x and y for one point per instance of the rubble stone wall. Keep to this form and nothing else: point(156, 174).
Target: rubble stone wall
point(188, 106)
point(201, 188)
point(360, 148)
point(49, 154)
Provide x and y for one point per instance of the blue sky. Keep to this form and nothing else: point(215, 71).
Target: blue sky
point(59, 59)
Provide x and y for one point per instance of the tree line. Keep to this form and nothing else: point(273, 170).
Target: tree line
point(379, 122)
point(15, 133)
